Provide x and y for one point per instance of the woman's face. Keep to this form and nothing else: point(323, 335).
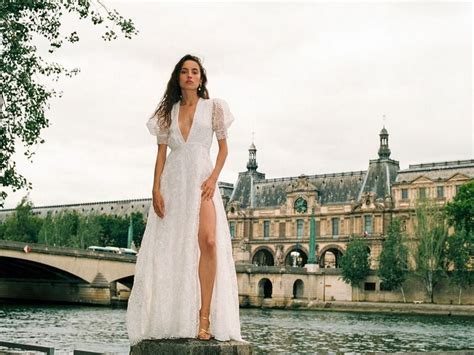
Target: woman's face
point(190, 75)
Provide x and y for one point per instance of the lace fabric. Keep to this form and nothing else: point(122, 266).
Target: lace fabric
point(156, 129)
point(222, 118)
point(165, 299)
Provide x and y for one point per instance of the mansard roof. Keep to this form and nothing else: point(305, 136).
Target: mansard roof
point(437, 171)
point(381, 175)
point(332, 188)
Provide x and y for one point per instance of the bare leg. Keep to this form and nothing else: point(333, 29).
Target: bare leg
point(208, 259)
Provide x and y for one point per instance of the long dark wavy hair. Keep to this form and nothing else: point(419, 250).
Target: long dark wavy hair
point(173, 91)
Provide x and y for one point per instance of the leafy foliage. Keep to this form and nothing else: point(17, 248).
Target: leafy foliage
point(23, 226)
point(393, 258)
point(23, 96)
point(70, 228)
point(355, 262)
point(460, 248)
point(460, 210)
point(460, 213)
point(431, 233)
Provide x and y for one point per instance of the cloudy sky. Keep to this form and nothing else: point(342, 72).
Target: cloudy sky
point(313, 80)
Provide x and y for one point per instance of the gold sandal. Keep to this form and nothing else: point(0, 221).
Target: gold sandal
point(204, 334)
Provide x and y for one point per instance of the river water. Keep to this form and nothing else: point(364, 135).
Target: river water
point(69, 327)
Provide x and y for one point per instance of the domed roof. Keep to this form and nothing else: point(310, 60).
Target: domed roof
point(383, 131)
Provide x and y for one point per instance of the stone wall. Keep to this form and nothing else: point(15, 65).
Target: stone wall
point(415, 291)
point(55, 291)
point(281, 286)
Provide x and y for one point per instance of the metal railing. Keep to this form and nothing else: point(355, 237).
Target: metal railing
point(46, 349)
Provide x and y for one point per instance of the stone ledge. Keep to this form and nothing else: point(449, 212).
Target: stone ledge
point(189, 346)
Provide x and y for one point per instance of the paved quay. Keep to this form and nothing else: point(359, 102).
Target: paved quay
point(382, 307)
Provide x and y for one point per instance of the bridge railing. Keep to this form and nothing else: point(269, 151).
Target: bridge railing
point(57, 250)
point(44, 349)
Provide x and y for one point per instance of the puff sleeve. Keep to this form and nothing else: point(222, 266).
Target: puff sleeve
point(161, 133)
point(222, 118)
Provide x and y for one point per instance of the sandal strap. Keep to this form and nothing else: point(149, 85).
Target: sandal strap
point(202, 330)
point(202, 336)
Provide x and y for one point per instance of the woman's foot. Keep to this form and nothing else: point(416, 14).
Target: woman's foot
point(204, 324)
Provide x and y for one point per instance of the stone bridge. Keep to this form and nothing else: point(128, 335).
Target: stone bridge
point(63, 274)
point(82, 276)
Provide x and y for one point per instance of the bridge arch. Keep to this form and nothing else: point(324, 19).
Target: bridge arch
point(92, 267)
point(22, 268)
point(126, 280)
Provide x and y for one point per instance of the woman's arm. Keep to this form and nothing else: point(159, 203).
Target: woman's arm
point(209, 185)
point(159, 165)
point(221, 120)
point(220, 159)
point(158, 203)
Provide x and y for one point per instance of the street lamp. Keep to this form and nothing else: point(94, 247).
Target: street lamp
point(312, 264)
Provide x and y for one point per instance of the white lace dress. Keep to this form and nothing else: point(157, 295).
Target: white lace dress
point(166, 297)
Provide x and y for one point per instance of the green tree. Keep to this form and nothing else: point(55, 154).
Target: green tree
point(431, 231)
point(460, 213)
point(111, 230)
point(393, 259)
point(23, 70)
point(2, 231)
point(61, 229)
point(89, 231)
point(355, 262)
point(22, 225)
point(46, 233)
point(460, 210)
point(114, 230)
point(71, 229)
point(66, 225)
point(460, 248)
point(138, 227)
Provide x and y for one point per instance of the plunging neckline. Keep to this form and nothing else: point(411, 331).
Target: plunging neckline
point(192, 123)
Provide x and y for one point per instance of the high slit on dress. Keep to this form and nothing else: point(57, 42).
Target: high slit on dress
point(166, 296)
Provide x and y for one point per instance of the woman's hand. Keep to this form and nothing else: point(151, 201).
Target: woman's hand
point(158, 204)
point(208, 187)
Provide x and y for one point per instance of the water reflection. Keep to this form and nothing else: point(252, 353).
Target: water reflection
point(314, 331)
point(69, 327)
point(65, 327)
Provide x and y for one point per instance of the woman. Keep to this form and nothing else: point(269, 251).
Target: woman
point(185, 283)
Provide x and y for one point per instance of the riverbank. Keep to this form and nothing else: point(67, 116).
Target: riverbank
point(270, 331)
point(377, 307)
point(364, 307)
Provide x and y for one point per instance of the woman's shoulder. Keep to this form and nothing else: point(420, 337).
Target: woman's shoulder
point(218, 101)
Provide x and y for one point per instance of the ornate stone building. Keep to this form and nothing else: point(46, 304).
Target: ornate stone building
point(437, 181)
point(269, 219)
